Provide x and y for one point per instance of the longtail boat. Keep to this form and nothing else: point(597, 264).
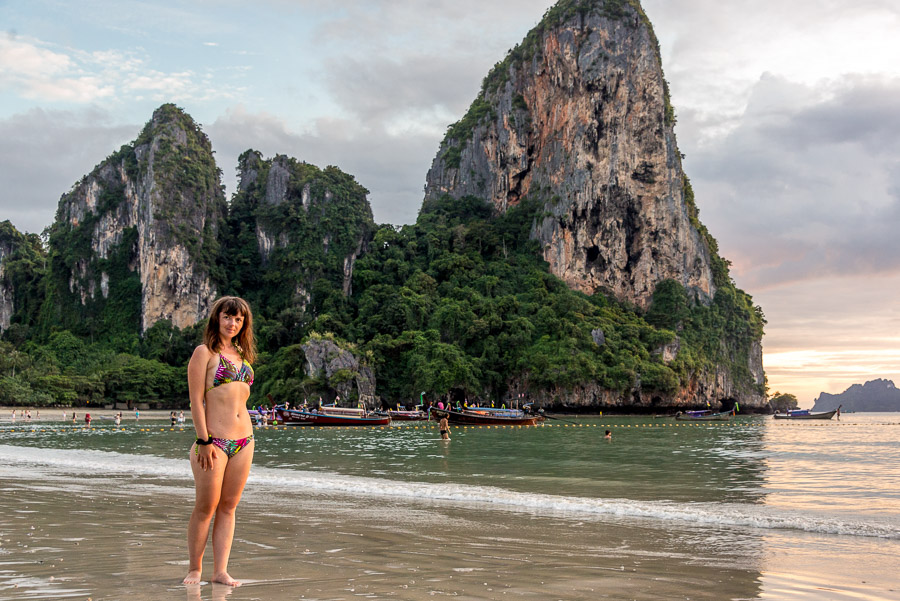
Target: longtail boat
point(331, 416)
point(481, 417)
point(805, 414)
point(403, 415)
point(704, 415)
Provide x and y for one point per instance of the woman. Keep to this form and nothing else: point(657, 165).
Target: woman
point(219, 379)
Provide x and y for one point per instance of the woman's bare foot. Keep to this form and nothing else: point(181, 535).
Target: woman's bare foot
point(193, 577)
point(224, 578)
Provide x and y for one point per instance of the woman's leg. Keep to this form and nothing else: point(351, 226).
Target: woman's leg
point(207, 487)
point(235, 477)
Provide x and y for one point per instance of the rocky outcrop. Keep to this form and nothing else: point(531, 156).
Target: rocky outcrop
point(310, 225)
point(577, 120)
point(22, 263)
point(340, 369)
point(8, 235)
point(578, 116)
point(875, 395)
point(158, 202)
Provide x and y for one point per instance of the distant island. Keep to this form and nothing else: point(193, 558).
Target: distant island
point(876, 395)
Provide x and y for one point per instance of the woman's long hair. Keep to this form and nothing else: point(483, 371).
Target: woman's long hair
point(231, 305)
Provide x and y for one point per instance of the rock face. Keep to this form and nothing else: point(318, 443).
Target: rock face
point(577, 120)
point(22, 262)
point(578, 116)
point(150, 213)
point(875, 395)
point(8, 243)
point(341, 369)
point(308, 225)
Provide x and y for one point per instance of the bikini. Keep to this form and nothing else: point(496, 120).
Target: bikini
point(226, 373)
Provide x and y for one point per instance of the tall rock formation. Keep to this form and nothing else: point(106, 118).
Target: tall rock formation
point(136, 240)
point(296, 232)
point(10, 239)
point(578, 115)
point(22, 265)
point(874, 395)
point(577, 118)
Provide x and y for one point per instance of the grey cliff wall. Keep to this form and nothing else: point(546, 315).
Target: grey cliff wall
point(582, 125)
point(176, 213)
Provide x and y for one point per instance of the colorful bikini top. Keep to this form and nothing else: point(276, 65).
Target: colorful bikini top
point(228, 372)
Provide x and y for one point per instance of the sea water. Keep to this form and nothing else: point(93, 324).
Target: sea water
point(752, 508)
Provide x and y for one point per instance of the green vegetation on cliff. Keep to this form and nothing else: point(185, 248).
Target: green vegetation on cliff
point(306, 245)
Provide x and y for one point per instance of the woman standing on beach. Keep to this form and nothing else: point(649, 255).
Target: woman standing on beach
point(219, 379)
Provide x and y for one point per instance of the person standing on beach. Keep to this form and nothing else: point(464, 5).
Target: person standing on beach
point(219, 380)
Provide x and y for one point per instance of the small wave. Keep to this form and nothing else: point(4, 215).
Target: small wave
point(99, 463)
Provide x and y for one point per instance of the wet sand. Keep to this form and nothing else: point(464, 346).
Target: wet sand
point(117, 535)
point(119, 538)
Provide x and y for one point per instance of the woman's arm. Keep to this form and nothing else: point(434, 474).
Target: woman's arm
point(197, 392)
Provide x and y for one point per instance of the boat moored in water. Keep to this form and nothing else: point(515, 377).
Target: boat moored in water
point(403, 415)
point(806, 414)
point(489, 417)
point(704, 415)
point(331, 416)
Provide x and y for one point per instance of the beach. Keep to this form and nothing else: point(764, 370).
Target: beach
point(102, 515)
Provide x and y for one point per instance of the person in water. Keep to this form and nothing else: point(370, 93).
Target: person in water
point(219, 380)
point(444, 427)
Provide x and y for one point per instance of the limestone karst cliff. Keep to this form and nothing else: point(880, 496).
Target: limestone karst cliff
point(295, 232)
point(577, 118)
point(23, 263)
point(135, 241)
point(10, 241)
point(579, 115)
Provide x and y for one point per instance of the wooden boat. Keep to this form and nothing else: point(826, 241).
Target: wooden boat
point(704, 415)
point(330, 416)
point(480, 417)
point(403, 415)
point(805, 414)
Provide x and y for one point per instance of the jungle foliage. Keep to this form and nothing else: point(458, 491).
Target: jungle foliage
point(458, 304)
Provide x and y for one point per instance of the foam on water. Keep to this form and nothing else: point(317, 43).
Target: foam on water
point(35, 461)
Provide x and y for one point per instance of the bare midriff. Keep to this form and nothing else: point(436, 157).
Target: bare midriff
point(226, 411)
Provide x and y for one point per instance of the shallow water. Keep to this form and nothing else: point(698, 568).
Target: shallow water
point(745, 510)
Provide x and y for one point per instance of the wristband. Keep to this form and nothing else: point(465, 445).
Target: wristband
point(200, 441)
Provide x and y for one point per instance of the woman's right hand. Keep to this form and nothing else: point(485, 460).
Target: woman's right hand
point(206, 455)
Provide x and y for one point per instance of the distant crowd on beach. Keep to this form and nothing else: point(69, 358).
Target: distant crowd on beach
point(73, 416)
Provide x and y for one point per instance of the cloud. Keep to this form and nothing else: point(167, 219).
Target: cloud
point(32, 70)
point(391, 168)
point(21, 56)
point(806, 184)
point(43, 153)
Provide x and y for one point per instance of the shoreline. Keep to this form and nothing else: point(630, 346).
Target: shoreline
point(333, 546)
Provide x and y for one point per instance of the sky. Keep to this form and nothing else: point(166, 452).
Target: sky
point(788, 117)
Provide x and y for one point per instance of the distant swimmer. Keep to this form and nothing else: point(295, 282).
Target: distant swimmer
point(220, 374)
point(608, 435)
point(444, 426)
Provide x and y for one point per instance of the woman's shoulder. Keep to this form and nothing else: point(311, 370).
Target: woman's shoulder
point(203, 352)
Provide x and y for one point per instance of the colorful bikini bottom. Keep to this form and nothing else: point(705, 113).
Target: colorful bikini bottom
point(232, 447)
